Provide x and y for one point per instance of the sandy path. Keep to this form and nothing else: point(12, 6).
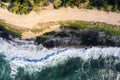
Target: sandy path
point(50, 15)
point(29, 34)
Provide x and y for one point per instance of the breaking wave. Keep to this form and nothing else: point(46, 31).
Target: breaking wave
point(38, 62)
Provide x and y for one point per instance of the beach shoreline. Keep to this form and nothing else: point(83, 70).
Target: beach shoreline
point(49, 14)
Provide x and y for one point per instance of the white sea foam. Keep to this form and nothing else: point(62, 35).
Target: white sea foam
point(35, 58)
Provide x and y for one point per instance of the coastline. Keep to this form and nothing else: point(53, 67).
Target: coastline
point(59, 44)
point(35, 21)
point(12, 29)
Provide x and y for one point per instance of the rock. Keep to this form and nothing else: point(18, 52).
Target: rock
point(73, 37)
point(6, 35)
point(90, 37)
point(117, 67)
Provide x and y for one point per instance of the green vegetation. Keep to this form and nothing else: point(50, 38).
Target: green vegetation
point(9, 29)
point(20, 7)
point(23, 6)
point(19, 11)
point(5, 0)
point(40, 30)
point(38, 3)
point(26, 6)
point(107, 5)
point(109, 29)
point(57, 3)
point(78, 3)
point(3, 5)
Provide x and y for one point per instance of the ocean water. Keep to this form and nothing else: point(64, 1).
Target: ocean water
point(23, 60)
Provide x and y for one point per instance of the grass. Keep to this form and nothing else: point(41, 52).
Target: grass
point(3, 6)
point(39, 30)
point(43, 27)
point(11, 30)
point(109, 29)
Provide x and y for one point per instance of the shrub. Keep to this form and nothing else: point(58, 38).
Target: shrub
point(57, 3)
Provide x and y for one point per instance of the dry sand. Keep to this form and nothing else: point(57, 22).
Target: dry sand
point(49, 14)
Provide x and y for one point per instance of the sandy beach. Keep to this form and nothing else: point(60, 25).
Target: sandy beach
point(49, 14)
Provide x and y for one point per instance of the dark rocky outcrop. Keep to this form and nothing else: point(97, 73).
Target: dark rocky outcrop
point(67, 36)
point(5, 34)
point(73, 37)
point(9, 37)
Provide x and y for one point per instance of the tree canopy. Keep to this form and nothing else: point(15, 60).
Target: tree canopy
point(26, 6)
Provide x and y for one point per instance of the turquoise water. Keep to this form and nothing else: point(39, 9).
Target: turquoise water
point(78, 69)
point(107, 68)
